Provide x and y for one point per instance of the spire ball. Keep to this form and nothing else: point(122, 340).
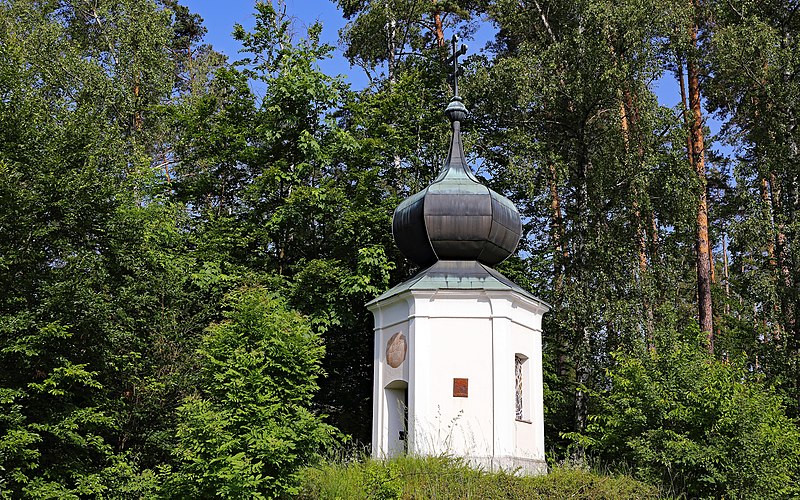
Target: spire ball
point(456, 111)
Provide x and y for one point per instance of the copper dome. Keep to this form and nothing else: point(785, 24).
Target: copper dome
point(456, 217)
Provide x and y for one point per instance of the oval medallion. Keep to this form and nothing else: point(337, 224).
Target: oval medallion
point(396, 350)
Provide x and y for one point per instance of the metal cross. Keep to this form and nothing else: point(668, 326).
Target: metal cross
point(457, 70)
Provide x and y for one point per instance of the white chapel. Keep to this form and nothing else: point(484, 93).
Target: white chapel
point(458, 347)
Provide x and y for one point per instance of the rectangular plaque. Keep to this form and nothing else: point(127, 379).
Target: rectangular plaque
point(460, 387)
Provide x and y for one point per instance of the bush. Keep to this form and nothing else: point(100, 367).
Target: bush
point(697, 425)
point(250, 429)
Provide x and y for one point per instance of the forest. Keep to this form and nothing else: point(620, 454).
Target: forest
point(187, 241)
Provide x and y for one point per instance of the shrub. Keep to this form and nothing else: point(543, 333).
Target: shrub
point(696, 425)
point(246, 434)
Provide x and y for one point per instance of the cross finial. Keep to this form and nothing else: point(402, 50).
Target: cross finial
point(457, 70)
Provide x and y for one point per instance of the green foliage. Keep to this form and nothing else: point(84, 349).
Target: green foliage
point(249, 429)
point(694, 424)
point(78, 82)
point(443, 477)
point(382, 481)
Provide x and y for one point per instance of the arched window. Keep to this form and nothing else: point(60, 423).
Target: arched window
point(521, 387)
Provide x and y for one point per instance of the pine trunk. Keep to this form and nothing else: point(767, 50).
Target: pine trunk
point(704, 303)
point(437, 22)
point(557, 233)
point(782, 254)
point(583, 354)
point(559, 257)
point(766, 204)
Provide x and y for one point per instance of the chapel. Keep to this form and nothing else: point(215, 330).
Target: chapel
point(458, 346)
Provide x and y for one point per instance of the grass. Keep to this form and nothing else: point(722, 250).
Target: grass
point(446, 477)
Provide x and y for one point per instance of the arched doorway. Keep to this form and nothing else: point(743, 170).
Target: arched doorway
point(397, 417)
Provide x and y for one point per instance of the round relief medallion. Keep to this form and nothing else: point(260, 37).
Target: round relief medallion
point(396, 350)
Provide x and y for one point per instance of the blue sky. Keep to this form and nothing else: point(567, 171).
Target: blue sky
point(220, 16)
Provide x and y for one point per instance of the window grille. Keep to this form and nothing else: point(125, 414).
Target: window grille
point(519, 381)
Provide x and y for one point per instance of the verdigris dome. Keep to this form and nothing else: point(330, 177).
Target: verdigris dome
point(456, 217)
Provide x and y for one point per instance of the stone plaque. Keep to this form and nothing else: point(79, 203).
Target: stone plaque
point(396, 349)
point(460, 387)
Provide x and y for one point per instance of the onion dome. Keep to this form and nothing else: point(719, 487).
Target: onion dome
point(456, 217)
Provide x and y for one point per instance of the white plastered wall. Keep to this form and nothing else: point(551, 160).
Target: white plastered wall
point(469, 334)
point(389, 320)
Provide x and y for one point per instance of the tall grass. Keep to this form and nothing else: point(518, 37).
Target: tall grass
point(445, 477)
